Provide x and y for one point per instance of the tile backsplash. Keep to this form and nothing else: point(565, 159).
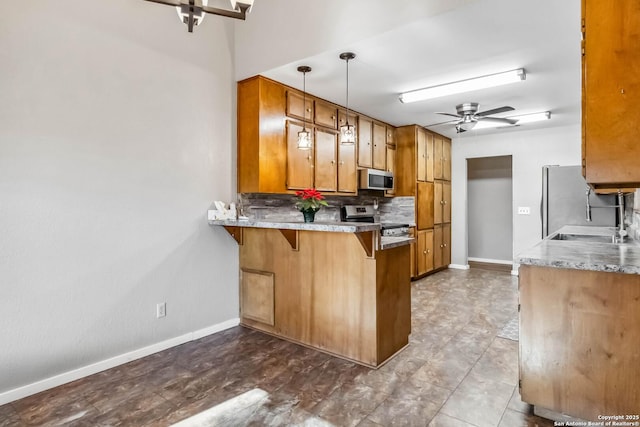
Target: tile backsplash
point(281, 207)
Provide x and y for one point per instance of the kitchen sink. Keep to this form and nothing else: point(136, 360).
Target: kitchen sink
point(585, 238)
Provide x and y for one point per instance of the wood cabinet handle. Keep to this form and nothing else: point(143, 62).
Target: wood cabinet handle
point(342, 162)
point(333, 117)
point(445, 245)
point(424, 252)
point(444, 202)
point(333, 162)
point(442, 246)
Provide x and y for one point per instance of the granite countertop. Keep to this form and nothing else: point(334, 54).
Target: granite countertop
point(333, 226)
point(584, 255)
point(386, 242)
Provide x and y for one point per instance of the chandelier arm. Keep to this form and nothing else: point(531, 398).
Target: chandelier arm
point(242, 14)
point(176, 3)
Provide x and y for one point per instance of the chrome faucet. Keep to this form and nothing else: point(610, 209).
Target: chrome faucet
point(622, 232)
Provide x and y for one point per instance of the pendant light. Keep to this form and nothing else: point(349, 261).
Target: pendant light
point(347, 131)
point(304, 136)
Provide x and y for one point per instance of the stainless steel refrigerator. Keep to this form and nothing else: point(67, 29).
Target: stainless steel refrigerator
point(564, 200)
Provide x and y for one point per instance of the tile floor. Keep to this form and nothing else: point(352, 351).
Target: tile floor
point(456, 372)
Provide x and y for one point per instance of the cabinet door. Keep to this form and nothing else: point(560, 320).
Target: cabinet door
point(446, 201)
point(299, 108)
point(437, 246)
point(446, 159)
point(391, 167)
point(379, 146)
point(611, 83)
point(430, 157)
point(347, 175)
point(342, 119)
point(424, 251)
point(424, 205)
point(421, 156)
point(299, 162)
point(437, 202)
point(446, 245)
point(326, 177)
point(437, 156)
point(326, 114)
point(391, 135)
point(413, 250)
point(364, 142)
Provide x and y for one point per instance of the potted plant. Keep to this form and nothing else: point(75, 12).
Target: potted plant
point(309, 202)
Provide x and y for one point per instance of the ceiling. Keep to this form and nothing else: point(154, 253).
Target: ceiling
point(478, 38)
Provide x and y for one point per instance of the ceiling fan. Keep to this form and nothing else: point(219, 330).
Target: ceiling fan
point(468, 117)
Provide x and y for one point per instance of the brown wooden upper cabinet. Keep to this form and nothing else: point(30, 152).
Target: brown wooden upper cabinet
point(299, 107)
point(347, 173)
point(326, 160)
point(442, 157)
point(326, 114)
point(270, 115)
point(300, 163)
point(379, 152)
point(391, 135)
point(391, 167)
point(442, 202)
point(610, 93)
point(365, 136)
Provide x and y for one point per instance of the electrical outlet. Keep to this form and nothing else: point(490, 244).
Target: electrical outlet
point(161, 310)
point(524, 210)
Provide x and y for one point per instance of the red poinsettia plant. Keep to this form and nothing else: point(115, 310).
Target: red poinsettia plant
point(309, 198)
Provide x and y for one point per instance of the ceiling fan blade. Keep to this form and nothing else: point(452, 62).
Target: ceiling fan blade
point(449, 114)
point(495, 111)
point(442, 123)
point(498, 120)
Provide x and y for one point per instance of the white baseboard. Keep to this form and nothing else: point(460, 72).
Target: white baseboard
point(459, 266)
point(57, 380)
point(491, 261)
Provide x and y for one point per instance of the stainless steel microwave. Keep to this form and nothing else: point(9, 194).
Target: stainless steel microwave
point(373, 179)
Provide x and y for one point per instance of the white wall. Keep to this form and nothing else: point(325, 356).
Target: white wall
point(116, 132)
point(530, 150)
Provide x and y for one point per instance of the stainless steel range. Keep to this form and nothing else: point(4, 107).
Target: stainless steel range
point(366, 213)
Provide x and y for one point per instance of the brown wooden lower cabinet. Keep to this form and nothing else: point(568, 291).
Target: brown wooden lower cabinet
point(424, 251)
point(325, 291)
point(441, 245)
point(579, 335)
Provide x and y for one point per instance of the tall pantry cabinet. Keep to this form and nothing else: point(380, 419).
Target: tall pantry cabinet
point(423, 161)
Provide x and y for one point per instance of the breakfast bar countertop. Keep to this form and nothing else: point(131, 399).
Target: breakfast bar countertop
point(331, 226)
point(386, 242)
point(584, 255)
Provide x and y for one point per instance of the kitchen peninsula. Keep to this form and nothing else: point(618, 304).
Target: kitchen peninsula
point(337, 287)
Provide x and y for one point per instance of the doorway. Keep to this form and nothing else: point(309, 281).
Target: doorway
point(489, 208)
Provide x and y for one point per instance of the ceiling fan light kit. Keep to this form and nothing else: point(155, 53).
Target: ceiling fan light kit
point(462, 86)
point(191, 12)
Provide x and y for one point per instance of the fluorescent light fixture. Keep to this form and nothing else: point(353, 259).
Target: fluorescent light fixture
point(534, 117)
point(523, 118)
point(462, 86)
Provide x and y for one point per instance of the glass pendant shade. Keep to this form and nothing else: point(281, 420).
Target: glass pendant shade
point(347, 134)
point(347, 131)
point(304, 140)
